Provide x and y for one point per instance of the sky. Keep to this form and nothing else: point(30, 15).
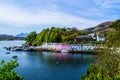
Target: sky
point(18, 16)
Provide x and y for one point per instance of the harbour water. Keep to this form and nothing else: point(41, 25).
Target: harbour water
point(47, 65)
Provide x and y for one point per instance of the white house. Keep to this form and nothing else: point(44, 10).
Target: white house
point(88, 47)
point(100, 38)
point(93, 35)
point(44, 46)
point(97, 37)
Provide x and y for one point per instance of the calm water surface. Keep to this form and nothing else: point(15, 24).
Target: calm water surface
point(47, 65)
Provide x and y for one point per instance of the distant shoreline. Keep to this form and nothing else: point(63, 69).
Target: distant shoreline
point(12, 40)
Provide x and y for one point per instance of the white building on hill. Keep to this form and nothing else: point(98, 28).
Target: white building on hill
point(97, 37)
point(101, 38)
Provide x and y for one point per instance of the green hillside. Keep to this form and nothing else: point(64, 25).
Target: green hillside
point(54, 34)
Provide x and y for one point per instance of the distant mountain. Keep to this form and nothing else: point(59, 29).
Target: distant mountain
point(10, 37)
point(100, 28)
point(6, 36)
point(22, 35)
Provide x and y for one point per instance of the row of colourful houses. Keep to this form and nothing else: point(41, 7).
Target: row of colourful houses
point(69, 47)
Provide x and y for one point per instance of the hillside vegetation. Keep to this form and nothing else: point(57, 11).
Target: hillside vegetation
point(67, 35)
point(7, 71)
point(56, 35)
point(108, 65)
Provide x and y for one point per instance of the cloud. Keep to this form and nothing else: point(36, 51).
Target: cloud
point(98, 2)
point(108, 3)
point(15, 15)
point(102, 10)
point(39, 14)
point(111, 4)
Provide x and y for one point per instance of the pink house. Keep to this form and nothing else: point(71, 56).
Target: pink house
point(66, 47)
point(60, 47)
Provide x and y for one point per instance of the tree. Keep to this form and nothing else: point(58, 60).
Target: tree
point(29, 39)
point(46, 37)
point(108, 65)
point(106, 69)
point(56, 38)
point(53, 35)
point(74, 29)
point(7, 72)
point(116, 25)
point(40, 38)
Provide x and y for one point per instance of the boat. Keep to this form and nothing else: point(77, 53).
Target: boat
point(15, 57)
point(57, 62)
point(64, 51)
point(26, 49)
point(7, 52)
point(17, 48)
point(7, 48)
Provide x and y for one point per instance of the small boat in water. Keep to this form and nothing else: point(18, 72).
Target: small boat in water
point(64, 51)
point(7, 52)
point(57, 62)
point(15, 57)
point(17, 48)
point(8, 48)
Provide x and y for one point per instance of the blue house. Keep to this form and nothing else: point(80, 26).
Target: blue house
point(79, 47)
point(72, 47)
point(75, 47)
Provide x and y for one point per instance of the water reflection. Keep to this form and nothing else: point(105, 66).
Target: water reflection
point(61, 58)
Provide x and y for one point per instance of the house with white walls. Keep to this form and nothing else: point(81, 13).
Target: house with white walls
point(100, 38)
point(97, 37)
point(88, 47)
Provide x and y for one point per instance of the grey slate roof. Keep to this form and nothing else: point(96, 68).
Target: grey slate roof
point(84, 36)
